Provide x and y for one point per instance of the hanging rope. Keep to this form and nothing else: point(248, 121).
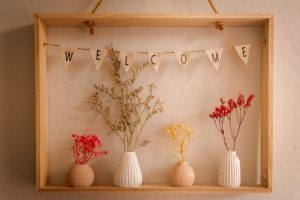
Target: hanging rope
point(219, 25)
point(146, 52)
point(97, 6)
point(92, 24)
point(213, 6)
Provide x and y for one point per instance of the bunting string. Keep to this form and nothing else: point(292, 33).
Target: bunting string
point(183, 57)
point(145, 52)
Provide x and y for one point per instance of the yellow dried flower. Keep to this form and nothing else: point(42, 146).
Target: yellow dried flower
point(179, 136)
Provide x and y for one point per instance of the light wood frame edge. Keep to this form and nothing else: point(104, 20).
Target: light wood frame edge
point(156, 19)
point(41, 88)
point(267, 105)
point(42, 110)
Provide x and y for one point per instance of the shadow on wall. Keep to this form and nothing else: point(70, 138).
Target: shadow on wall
point(17, 106)
point(17, 132)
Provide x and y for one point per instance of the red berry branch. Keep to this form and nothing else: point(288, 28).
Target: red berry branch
point(85, 147)
point(224, 111)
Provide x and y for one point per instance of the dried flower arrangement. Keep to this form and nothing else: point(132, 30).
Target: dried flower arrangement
point(179, 137)
point(85, 147)
point(135, 111)
point(240, 108)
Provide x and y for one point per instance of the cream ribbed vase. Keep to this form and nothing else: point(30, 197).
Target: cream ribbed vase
point(230, 170)
point(128, 173)
point(80, 175)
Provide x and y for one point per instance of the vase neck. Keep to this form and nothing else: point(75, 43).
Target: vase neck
point(129, 152)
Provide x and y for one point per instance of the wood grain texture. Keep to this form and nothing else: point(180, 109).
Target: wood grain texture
point(189, 20)
point(267, 106)
point(162, 188)
point(41, 88)
point(44, 20)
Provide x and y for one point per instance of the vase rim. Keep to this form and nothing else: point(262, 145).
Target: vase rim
point(231, 152)
point(182, 163)
point(81, 163)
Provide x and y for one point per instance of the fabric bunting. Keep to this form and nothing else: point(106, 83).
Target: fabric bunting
point(214, 56)
point(67, 55)
point(98, 56)
point(154, 58)
point(183, 58)
point(243, 51)
point(127, 59)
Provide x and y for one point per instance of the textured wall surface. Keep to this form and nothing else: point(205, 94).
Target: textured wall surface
point(17, 143)
point(188, 98)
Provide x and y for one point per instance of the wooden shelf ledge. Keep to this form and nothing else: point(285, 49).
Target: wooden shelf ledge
point(161, 188)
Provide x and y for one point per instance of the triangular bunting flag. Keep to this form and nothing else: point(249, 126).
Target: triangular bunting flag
point(155, 59)
point(67, 55)
point(183, 58)
point(98, 57)
point(127, 59)
point(243, 51)
point(214, 56)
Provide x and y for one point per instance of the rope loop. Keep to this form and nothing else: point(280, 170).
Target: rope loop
point(218, 25)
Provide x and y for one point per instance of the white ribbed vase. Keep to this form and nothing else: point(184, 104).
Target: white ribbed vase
point(80, 175)
point(128, 173)
point(230, 170)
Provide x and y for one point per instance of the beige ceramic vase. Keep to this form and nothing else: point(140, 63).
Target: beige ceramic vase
point(182, 175)
point(80, 175)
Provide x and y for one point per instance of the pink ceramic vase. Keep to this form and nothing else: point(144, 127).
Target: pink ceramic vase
point(182, 175)
point(80, 175)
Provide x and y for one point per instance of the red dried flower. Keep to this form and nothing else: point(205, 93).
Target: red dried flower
point(231, 104)
point(248, 102)
point(222, 101)
point(86, 146)
point(223, 111)
point(241, 100)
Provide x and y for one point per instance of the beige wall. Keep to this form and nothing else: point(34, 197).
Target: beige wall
point(17, 154)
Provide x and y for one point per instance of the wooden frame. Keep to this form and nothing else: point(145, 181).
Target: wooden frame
point(42, 21)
